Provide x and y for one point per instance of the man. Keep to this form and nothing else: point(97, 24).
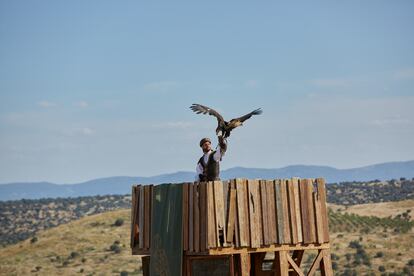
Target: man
point(208, 168)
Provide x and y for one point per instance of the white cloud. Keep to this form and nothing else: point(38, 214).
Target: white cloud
point(82, 104)
point(252, 83)
point(330, 82)
point(392, 121)
point(46, 104)
point(174, 125)
point(405, 74)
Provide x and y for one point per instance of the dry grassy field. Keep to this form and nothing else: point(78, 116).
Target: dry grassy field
point(94, 245)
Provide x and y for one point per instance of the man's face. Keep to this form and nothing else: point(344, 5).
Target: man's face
point(206, 147)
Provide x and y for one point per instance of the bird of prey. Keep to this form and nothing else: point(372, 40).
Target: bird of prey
point(223, 126)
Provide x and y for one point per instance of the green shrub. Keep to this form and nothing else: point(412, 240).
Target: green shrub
point(119, 222)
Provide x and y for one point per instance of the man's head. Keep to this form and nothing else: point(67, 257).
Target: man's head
point(205, 144)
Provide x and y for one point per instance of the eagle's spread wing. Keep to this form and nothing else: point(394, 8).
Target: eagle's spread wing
point(198, 108)
point(247, 116)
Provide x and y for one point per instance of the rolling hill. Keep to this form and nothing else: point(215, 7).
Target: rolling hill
point(122, 184)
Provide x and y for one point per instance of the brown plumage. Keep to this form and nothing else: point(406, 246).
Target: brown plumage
point(224, 126)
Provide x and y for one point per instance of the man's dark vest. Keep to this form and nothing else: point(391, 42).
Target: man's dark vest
point(211, 170)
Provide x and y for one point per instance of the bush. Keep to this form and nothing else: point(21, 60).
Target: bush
point(381, 268)
point(115, 248)
point(119, 222)
point(74, 254)
point(33, 240)
point(379, 255)
point(124, 273)
point(355, 244)
point(411, 262)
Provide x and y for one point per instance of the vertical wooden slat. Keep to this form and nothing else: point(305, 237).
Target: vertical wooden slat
point(191, 217)
point(133, 215)
point(211, 220)
point(322, 197)
point(292, 212)
point(264, 210)
point(231, 215)
point(281, 263)
point(295, 184)
point(203, 215)
point(236, 216)
point(219, 211)
point(254, 213)
point(286, 227)
point(304, 212)
point(196, 217)
point(151, 189)
point(318, 218)
point(242, 211)
point(225, 200)
point(185, 216)
point(279, 212)
point(311, 212)
point(271, 211)
point(141, 218)
point(147, 216)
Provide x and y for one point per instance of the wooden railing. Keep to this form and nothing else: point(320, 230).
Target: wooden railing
point(241, 215)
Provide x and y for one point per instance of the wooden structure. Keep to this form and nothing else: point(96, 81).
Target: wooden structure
point(240, 220)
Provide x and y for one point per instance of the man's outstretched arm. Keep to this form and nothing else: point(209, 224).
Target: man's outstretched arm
point(223, 147)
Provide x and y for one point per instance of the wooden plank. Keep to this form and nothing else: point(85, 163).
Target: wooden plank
point(141, 218)
point(295, 267)
point(242, 212)
point(196, 217)
point(185, 216)
point(254, 213)
point(316, 263)
point(292, 212)
point(226, 200)
point(311, 212)
point(264, 211)
point(151, 189)
point(231, 217)
point(211, 218)
point(245, 264)
point(281, 263)
point(191, 217)
point(236, 216)
point(132, 216)
point(318, 218)
point(219, 211)
point(286, 228)
point(326, 263)
point(279, 212)
point(322, 197)
point(146, 217)
point(270, 248)
point(303, 211)
point(271, 212)
point(295, 185)
point(203, 215)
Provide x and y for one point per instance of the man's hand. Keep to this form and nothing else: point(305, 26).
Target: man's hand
point(222, 143)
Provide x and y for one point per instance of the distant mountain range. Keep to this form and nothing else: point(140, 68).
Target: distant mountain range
point(122, 184)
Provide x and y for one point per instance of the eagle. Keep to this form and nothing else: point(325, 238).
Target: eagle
point(223, 126)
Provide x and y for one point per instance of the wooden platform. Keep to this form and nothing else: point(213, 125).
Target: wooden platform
point(246, 217)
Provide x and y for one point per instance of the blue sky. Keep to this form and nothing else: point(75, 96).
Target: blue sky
point(92, 89)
